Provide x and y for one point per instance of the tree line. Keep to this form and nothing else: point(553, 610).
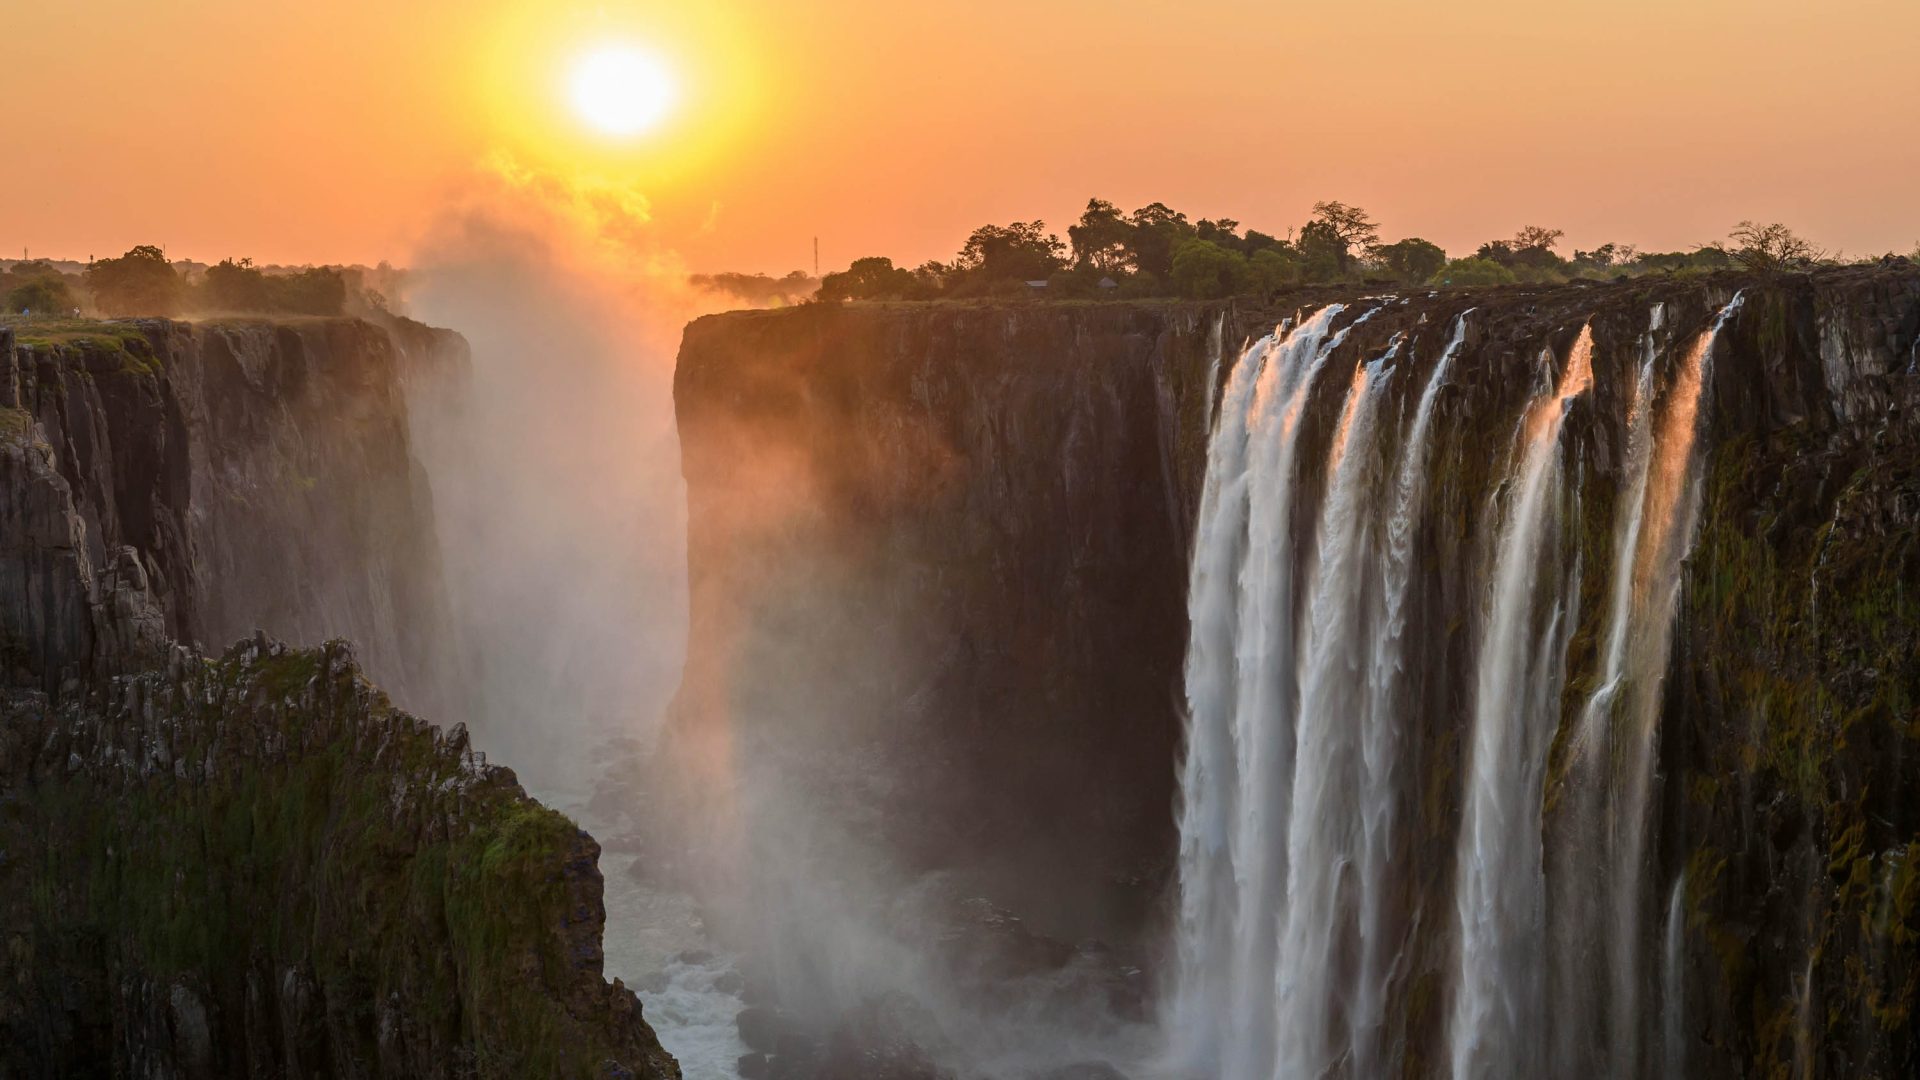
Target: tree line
point(142, 282)
point(1157, 251)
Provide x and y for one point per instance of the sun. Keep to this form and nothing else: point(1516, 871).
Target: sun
point(621, 90)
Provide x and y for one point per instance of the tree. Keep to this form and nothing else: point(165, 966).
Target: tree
point(44, 293)
point(1257, 241)
point(317, 290)
point(871, 278)
point(1533, 236)
point(1022, 251)
point(1275, 268)
point(1474, 271)
point(1323, 254)
point(1412, 259)
point(1349, 225)
point(141, 282)
point(1103, 239)
point(1203, 270)
point(1603, 257)
point(234, 286)
point(1769, 248)
point(1157, 230)
point(1224, 232)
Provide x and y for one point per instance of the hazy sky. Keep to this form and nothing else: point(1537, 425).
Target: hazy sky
point(342, 131)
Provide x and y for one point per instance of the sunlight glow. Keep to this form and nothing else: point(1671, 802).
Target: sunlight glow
point(621, 90)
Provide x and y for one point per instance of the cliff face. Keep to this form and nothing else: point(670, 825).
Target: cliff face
point(962, 535)
point(201, 481)
point(953, 538)
point(257, 865)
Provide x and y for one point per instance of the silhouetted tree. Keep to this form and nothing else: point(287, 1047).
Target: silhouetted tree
point(1533, 236)
point(1157, 230)
point(1324, 256)
point(1412, 259)
point(1340, 230)
point(1022, 251)
point(1768, 248)
point(317, 290)
point(1103, 238)
point(871, 278)
point(234, 286)
point(141, 282)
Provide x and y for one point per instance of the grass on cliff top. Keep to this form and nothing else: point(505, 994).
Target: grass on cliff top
point(125, 338)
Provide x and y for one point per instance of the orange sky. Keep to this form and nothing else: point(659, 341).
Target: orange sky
point(339, 132)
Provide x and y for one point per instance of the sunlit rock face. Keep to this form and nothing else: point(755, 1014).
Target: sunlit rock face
point(943, 560)
point(216, 478)
point(258, 865)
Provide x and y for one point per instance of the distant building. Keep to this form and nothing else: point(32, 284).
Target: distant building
point(1036, 286)
point(1109, 283)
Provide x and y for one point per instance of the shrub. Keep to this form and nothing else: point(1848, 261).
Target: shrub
point(1203, 270)
point(1474, 271)
point(46, 294)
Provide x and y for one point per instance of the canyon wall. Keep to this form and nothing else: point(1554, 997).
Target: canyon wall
point(951, 540)
point(258, 865)
point(954, 540)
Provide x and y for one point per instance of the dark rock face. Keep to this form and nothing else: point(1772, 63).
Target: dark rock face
point(216, 478)
point(955, 536)
point(960, 535)
point(257, 865)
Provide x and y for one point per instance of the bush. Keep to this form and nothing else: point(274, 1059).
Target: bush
point(1474, 271)
point(1203, 270)
point(46, 294)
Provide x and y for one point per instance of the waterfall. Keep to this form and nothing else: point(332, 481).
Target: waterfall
point(1610, 769)
point(1314, 937)
point(1673, 1005)
point(1219, 932)
point(1380, 732)
point(1274, 679)
point(1673, 506)
point(1500, 892)
point(1325, 819)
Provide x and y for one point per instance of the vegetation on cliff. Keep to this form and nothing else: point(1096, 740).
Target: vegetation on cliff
point(1157, 251)
point(256, 865)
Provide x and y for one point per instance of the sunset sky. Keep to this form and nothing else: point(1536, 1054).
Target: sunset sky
point(342, 132)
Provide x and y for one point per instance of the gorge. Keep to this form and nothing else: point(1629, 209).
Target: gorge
point(1532, 670)
point(1471, 682)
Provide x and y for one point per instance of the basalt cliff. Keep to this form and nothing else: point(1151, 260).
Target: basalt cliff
point(249, 861)
point(960, 542)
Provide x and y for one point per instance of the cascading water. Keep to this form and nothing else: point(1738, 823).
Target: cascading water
point(1610, 768)
point(1267, 854)
point(1316, 652)
point(1500, 896)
